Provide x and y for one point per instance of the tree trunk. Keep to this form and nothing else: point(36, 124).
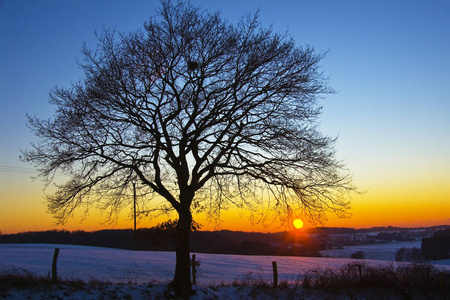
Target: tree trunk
point(182, 280)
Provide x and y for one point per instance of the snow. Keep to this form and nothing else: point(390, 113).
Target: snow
point(384, 251)
point(130, 272)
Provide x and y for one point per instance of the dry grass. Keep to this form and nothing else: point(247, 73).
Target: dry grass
point(408, 281)
point(21, 278)
point(351, 281)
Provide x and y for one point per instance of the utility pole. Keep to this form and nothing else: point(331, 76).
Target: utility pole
point(134, 204)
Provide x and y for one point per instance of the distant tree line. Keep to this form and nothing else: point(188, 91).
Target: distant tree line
point(160, 238)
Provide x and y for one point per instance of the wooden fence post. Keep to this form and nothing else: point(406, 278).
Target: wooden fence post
point(360, 272)
point(54, 271)
point(194, 270)
point(275, 274)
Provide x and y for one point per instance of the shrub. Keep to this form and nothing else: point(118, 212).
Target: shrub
point(409, 255)
point(358, 255)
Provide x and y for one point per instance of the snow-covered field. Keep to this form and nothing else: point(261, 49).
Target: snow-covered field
point(373, 251)
point(377, 251)
point(136, 269)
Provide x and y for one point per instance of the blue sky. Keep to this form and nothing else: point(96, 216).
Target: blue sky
point(388, 61)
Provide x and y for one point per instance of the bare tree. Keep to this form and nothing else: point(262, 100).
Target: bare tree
point(199, 112)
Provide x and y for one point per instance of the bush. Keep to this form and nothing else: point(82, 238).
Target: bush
point(358, 255)
point(409, 255)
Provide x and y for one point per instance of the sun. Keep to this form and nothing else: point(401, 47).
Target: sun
point(298, 223)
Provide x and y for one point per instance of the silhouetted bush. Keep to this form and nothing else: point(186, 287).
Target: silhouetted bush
point(358, 255)
point(409, 255)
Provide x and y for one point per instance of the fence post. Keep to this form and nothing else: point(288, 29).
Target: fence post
point(194, 270)
point(54, 272)
point(275, 274)
point(360, 273)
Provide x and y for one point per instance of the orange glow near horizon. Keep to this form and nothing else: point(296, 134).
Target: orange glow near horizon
point(365, 215)
point(402, 205)
point(36, 219)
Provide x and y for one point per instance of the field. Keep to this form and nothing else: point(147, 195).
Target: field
point(128, 272)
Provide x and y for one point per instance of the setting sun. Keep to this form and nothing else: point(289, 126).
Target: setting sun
point(298, 223)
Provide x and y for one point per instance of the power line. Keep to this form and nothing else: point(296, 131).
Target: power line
point(13, 169)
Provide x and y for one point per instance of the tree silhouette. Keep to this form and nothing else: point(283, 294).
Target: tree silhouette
point(200, 113)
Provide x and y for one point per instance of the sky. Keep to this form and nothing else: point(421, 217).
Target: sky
point(387, 60)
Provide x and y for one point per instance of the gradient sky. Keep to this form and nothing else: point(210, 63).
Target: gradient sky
point(388, 61)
